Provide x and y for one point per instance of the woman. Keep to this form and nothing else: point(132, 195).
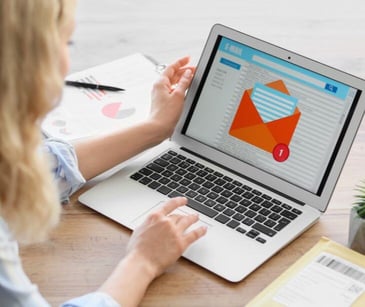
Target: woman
point(33, 63)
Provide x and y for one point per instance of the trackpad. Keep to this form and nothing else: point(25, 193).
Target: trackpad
point(182, 210)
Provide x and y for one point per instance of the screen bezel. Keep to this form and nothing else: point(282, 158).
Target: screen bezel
point(319, 200)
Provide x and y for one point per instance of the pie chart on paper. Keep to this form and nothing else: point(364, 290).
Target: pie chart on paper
point(117, 111)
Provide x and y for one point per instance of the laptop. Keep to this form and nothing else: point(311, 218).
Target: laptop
point(258, 150)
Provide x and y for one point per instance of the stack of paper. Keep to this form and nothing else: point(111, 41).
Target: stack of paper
point(327, 275)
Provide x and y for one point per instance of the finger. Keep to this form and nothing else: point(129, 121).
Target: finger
point(175, 79)
point(172, 69)
point(186, 221)
point(173, 204)
point(184, 82)
point(195, 234)
point(176, 218)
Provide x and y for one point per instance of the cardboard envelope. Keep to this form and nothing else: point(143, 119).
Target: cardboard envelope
point(248, 126)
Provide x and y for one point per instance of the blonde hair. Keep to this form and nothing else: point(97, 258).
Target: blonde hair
point(30, 81)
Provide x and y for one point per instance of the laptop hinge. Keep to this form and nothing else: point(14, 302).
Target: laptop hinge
point(244, 177)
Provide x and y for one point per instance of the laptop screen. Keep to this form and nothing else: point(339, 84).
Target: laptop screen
point(267, 112)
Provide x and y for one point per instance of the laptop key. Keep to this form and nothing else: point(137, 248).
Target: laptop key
point(260, 218)
point(182, 189)
point(210, 203)
point(241, 230)
point(164, 180)
point(231, 204)
point(155, 167)
point(252, 234)
point(240, 209)
point(173, 185)
point(155, 176)
point(219, 207)
point(218, 174)
point(296, 211)
point(257, 199)
point(145, 180)
point(226, 193)
point(201, 208)
point(263, 229)
point(195, 205)
point(246, 187)
point(229, 212)
point(164, 190)
point(261, 240)
point(233, 224)
point(145, 171)
point(210, 177)
point(172, 167)
point(154, 185)
point(280, 226)
point(229, 186)
point(221, 200)
point(203, 191)
point(238, 216)
point(247, 221)
point(217, 189)
point(286, 206)
point(222, 218)
point(161, 162)
point(136, 176)
point(266, 204)
point(236, 198)
point(191, 193)
point(250, 213)
point(212, 195)
point(270, 223)
point(208, 184)
point(166, 156)
point(288, 214)
point(200, 198)
point(276, 208)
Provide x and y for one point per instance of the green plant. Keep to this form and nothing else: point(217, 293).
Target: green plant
point(359, 203)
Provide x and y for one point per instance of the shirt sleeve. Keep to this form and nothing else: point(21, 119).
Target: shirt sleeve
point(15, 287)
point(64, 166)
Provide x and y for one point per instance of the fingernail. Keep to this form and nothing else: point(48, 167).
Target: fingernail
point(187, 73)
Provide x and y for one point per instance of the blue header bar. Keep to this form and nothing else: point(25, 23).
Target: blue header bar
point(282, 67)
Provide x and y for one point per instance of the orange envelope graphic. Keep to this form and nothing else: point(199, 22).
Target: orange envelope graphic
point(248, 125)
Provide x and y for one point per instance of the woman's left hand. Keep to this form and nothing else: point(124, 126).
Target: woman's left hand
point(168, 95)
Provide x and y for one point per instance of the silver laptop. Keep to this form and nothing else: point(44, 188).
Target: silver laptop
point(258, 150)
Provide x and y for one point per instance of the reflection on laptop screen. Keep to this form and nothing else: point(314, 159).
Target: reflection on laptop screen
point(285, 120)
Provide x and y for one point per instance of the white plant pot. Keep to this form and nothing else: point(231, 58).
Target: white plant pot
point(356, 239)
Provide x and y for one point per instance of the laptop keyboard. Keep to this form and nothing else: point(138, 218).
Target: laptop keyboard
point(230, 202)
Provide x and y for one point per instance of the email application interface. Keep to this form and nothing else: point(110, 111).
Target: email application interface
point(269, 113)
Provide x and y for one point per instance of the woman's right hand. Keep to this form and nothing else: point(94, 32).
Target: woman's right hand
point(154, 245)
point(162, 238)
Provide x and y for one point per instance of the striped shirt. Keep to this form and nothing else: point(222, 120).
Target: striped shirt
point(15, 287)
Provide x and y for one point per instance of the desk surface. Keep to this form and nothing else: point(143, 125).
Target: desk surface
point(86, 246)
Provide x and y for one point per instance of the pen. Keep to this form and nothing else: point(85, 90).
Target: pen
point(93, 86)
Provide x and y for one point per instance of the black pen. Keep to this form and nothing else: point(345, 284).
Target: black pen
point(93, 86)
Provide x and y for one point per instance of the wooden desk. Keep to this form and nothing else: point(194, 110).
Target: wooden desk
point(86, 246)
